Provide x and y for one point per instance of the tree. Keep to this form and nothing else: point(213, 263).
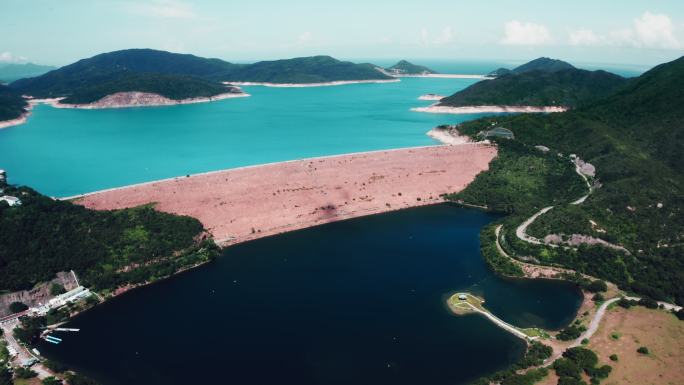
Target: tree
point(598, 297)
point(680, 314)
point(624, 302)
point(584, 358)
point(597, 286)
point(22, 372)
point(52, 381)
point(565, 367)
point(643, 350)
point(56, 289)
point(55, 366)
point(613, 357)
point(5, 376)
point(648, 302)
point(17, 307)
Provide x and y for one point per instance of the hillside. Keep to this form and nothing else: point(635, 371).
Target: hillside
point(179, 76)
point(567, 88)
point(315, 69)
point(44, 236)
point(634, 139)
point(404, 67)
point(10, 72)
point(543, 64)
point(12, 105)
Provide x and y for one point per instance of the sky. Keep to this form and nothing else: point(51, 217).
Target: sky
point(629, 32)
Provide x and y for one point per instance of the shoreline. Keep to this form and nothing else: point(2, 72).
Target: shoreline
point(321, 84)
point(16, 121)
point(436, 109)
point(137, 99)
point(445, 76)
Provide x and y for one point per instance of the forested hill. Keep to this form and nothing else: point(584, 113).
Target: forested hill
point(544, 64)
point(566, 88)
point(404, 67)
point(179, 76)
point(12, 105)
point(107, 249)
point(634, 138)
point(315, 69)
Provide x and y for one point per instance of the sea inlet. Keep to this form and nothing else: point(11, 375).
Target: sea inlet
point(354, 302)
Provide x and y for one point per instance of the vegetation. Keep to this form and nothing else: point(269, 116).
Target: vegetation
point(57, 289)
point(571, 332)
point(55, 366)
point(52, 381)
point(12, 105)
point(567, 88)
point(535, 355)
point(17, 307)
point(178, 76)
point(404, 67)
point(21, 372)
point(577, 360)
point(613, 357)
point(78, 379)
point(315, 69)
point(634, 139)
point(5, 376)
point(175, 87)
point(30, 329)
point(45, 236)
point(642, 350)
point(544, 64)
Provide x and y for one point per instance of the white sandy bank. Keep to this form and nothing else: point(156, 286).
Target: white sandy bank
point(446, 76)
point(14, 122)
point(435, 109)
point(432, 97)
point(448, 135)
point(301, 85)
point(139, 99)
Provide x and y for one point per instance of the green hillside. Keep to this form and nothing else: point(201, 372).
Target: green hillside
point(567, 88)
point(175, 87)
point(544, 64)
point(12, 105)
point(179, 76)
point(315, 69)
point(44, 236)
point(634, 138)
point(404, 67)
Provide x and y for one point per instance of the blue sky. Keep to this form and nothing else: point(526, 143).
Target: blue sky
point(626, 32)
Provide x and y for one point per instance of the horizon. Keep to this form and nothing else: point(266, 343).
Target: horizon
point(636, 35)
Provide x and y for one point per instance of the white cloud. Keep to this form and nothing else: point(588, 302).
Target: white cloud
point(9, 57)
point(584, 36)
point(647, 31)
point(517, 33)
point(164, 9)
point(304, 38)
point(446, 36)
point(655, 30)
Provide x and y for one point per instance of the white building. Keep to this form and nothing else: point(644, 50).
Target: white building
point(12, 201)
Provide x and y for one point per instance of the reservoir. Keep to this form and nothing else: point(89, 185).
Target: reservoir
point(354, 302)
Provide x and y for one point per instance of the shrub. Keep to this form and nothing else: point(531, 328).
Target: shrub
point(597, 286)
point(21, 372)
point(17, 307)
point(571, 332)
point(55, 366)
point(598, 297)
point(52, 381)
point(624, 302)
point(649, 303)
point(642, 350)
point(613, 357)
point(57, 289)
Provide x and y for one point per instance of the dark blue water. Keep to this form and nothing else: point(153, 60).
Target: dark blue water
point(354, 302)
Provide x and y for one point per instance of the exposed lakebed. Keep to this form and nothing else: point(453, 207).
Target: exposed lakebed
point(354, 302)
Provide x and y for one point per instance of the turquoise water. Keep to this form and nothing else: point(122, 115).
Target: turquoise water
point(63, 152)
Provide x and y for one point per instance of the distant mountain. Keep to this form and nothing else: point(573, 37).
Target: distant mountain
point(315, 69)
point(404, 67)
point(543, 64)
point(10, 72)
point(567, 88)
point(499, 72)
point(179, 76)
point(12, 105)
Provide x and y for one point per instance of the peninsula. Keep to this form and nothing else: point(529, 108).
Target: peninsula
point(542, 85)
